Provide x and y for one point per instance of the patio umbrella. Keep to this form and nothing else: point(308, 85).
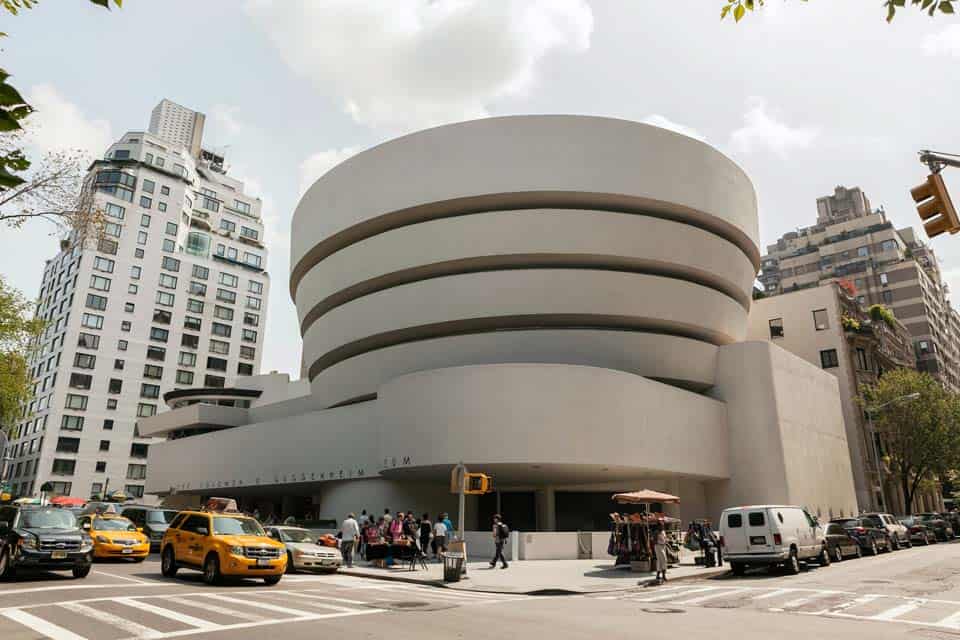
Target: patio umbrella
point(67, 501)
point(27, 501)
point(645, 496)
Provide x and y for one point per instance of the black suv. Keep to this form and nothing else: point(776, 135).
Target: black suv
point(46, 538)
point(153, 520)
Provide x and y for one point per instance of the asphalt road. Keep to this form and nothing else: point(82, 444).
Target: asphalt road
point(911, 594)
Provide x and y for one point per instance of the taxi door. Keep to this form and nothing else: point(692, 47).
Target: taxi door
point(189, 541)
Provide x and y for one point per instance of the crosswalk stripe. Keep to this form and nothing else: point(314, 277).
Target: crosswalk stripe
point(712, 596)
point(263, 623)
point(774, 594)
point(685, 593)
point(325, 605)
point(306, 594)
point(50, 630)
point(799, 602)
point(299, 613)
point(951, 622)
point(168, 613)
point(213, 608)
point(896, 612)
point(134, 628)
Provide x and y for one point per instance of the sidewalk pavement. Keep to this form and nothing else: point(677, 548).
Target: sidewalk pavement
point(545, 577)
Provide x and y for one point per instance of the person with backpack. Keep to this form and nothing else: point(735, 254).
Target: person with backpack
point(501, 532)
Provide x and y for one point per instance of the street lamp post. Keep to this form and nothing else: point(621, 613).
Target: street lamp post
point(873, 433)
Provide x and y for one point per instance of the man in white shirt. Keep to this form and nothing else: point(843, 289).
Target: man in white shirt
point(349, 534)
point(439, 538)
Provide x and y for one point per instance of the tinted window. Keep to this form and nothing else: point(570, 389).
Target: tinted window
point(756, 519)
point(734, 520)
point(834, 529)
point(160, 517)
point(48, 519)
point(178, 521)
point(873, 521)
point(851, 522)
point(195, 522)
point(7, 515)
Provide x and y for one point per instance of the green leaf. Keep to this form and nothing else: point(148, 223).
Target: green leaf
point(946, 7)
point(8, 122)
point(926, 4)
point(726, 10)
point(8, 180)
point(102, 3)
point(738, 12)
point(10, 96)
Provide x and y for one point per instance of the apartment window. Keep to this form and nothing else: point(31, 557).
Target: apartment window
point(160, 161)
point(84, 361)
point(201, 273)
point(220, 329)
point(228, 226)
point(828, 359)
point(145, 223)
point(171, 228)
point(164, 190)
point(88, 341)
point(68, 445)
point(125, 326)
point(820, 322)
point(149, 390)
point(887, 296)
point(108, 425)
point(76, 402)
point(104, 445)
point(220, 347)
point(115, 385)
point(135, 273)
point(217, 364)
point(148, 185)
point(862, 299)
point(112, 404)
point(244, 369)
point(145, 202)
point(156, 353)
point(63, 467)
point(134, 490)
point(226, 296)
point(253, 303)
point(248, 335)
point(146, 410)
point(152, 371)
point(223, 313)
point(197, 289)
point(96, 302)
point(167, 281)
point(114, 210)
point(100, 283)
point(190, 322)
point(105, 245)
point(80, 381)
point(184, 377)
point(92, 321)
point(129, 307)
point(139, 450)
point(161, 206)
point(214, 382)
point(122, 345)
point(862, 363)
point(112, 229)
point(103, 264)
point(57, 488)
point(162, 317)
point(190, 341)
point(118, 364)
point(888, 245)
point(248, 353)
point(863, 252)
point(924, 347)
point(776, 328)
point(242, 207)
point(255, 287)
point(170, 264)
point(247, 232)
point(71, 423)
point(121, 154)
point(883, 279)
point(165, 299)
point(228, 280)
point(252, 259)
point(101, 467)
point(187, 359)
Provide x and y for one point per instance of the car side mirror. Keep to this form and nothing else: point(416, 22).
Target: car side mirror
point(202, 531)
point(86, 526)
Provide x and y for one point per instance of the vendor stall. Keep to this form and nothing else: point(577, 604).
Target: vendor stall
point(632, 535)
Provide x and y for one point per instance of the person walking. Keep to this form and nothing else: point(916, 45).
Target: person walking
point(448, 525)
point(660, 552)
point(387, 517)
point(350, 533)
point(426, 530)
point(439, 537)
point(500, 534)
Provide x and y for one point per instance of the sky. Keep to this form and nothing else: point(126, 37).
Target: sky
point(805, 96)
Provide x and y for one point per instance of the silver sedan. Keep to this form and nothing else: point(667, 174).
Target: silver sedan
point(303, 551)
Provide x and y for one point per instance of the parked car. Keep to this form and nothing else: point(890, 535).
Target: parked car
point(898, 532)
point(770, 535)
point(840, 543)
point(941, 528)
point(305, 551)
point(920, 533)
point(953, 519)
point(154, 521)
point(871, 538)
point(44, 538)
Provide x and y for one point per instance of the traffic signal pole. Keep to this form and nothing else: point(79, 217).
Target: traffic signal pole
point(933, 200)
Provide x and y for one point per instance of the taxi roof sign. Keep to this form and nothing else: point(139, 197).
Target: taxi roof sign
point(221, 505)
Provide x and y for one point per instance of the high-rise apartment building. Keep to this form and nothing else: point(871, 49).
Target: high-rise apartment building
point(178, 125)
point(884, 265)
point(172, 296)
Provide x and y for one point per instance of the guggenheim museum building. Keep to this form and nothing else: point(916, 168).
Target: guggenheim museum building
point(558, 301)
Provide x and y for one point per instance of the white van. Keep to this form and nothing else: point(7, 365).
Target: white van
point(771, 535)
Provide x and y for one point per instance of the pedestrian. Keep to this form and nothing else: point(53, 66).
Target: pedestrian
point(350, 533)
point(448, 525)
point(439, 537)
point(500, 534)
point(660, 551)
point(387, 517)
point(289, 521)
point(426, 530)
point(396, 528)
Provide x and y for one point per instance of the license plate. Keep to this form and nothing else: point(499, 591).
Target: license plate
point(327, 563)
point(127, 550)
point(263, 562)
point(758, 540)
point(58, 555)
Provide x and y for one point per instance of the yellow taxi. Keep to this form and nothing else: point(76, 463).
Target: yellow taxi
point(221, 543)
point(115, 537)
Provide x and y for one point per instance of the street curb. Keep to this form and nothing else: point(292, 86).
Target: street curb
point(543, 591)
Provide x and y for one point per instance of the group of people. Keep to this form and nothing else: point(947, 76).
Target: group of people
point(401, 527)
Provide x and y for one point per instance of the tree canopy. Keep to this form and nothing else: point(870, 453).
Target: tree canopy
point(738, 9)
point(18, 328)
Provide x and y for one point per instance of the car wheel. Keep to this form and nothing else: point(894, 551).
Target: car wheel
point(838, 554)
point(908, 543)
point(211, 569)
point(82, 571)
point(873, 548)
point(738, 568)
point(793, 563)
point(6, 566)
point(271, 580)
point(824, 559)
point(290, 567)
point(894, 543)
point(168, 564)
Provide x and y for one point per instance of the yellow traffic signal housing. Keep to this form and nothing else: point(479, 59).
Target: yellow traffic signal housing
point(478, 483)
point(935, 205)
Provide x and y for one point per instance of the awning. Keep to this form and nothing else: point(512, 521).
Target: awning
point(644, 496)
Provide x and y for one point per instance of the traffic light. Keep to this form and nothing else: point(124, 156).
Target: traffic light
point(934, 202)
point(478, 483)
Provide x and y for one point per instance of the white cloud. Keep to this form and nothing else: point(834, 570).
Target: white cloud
point(59, 125)
point(761, 131)
point(663, 122)
point(945, 42)
point(225, 118)
point(319, 163)
point(414, 63)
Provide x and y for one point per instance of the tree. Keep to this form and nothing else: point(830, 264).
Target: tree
point(18, 331)
point(739, 8)
point(921, 436)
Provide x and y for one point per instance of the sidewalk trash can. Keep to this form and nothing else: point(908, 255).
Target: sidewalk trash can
point(452, 566)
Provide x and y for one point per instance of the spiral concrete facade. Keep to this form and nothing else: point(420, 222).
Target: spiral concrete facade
point(558, 300)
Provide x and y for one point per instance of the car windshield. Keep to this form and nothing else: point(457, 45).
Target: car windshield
point(160, 517)
point(113, 524)
point(296, 535)
point(848, 523)
point(48, 519)
point(237, 527)
point(873, 520)
point(908, 521)
point(928, 516)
